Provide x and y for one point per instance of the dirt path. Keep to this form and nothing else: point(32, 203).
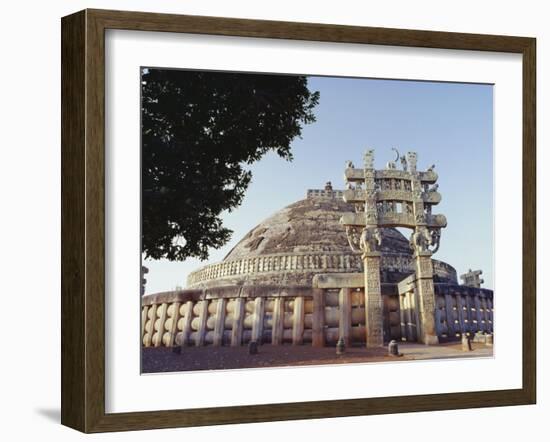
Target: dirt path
point(162, 359)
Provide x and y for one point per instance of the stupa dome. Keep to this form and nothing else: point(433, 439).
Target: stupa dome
point(303, 239)
point(311, 225)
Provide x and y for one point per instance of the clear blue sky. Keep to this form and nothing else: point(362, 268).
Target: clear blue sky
point(448, 124)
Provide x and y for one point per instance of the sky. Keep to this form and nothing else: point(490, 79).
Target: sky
point(447, 124)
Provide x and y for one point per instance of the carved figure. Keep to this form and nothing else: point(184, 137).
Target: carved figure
point(411, 161)
point(420, 239)
point(396, 154)
point(434, 188)
point(435, 237)
point(369, 159)
point(349, 165)
point(354, 238)
point(391, 164)
point(371, 240)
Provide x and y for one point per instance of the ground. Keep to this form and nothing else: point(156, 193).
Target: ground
point(163, 359)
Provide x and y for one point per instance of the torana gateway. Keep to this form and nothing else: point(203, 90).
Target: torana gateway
point(332, 266)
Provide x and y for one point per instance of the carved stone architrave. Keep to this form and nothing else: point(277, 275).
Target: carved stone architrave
point(373, 301)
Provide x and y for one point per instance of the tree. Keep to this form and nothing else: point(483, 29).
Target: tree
point(199, 132)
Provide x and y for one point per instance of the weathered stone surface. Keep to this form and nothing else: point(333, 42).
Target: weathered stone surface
point(309, 225)
point(339, 280)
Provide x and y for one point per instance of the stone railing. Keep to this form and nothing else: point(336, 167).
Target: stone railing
point(277, 263)
point(334, 307)
point(458, 310)
point(232, 317)
point(225, 317)
point(324, 193)
point(308, 262)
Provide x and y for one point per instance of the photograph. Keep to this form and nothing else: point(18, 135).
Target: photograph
point(303, 220)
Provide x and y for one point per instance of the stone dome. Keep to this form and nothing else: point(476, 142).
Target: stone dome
point(302, 240)
point(310, 225)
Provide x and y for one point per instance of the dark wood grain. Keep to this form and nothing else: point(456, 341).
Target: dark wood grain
point(83, 220)
point(529, 270)
point(145, 21)
point(95, 221)
point(73, 253)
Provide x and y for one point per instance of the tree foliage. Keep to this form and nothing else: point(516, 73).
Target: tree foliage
point(199, 132)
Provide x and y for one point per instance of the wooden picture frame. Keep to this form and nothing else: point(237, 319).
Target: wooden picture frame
point(83, 220)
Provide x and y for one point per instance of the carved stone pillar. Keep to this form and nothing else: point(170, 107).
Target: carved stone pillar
point(402, 320)
point(373, 300)
point(370, 242)
point(426, 298)
point(344, 326)
point(318, 325)
point(420, 241)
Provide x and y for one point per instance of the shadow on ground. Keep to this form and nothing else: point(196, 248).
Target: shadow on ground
point(51, 414)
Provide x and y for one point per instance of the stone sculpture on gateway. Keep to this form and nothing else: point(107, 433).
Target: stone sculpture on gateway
point(386, 190)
